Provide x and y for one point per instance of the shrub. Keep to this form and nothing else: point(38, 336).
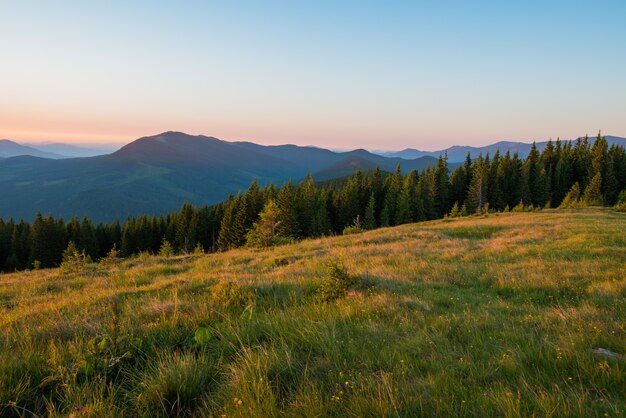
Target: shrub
point(456, 211)
point(355, 228)
point(199, 250)
point(337, 281)
point(166, 249)
point(111, 257)
point(74, 260)
point(519, 207)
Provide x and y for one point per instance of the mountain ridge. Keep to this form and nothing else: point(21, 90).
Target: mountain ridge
point(156, 174)
point(457, 153)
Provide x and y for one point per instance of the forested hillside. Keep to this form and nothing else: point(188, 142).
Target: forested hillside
point(266, 215)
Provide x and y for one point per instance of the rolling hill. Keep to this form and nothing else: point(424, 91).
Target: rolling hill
point(156, 174)
point(510, 315)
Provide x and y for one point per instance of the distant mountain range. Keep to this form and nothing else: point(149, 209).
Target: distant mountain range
point(72, 151)
point(157, 174)
point(459, 153)
point(55, 151)
point(10, 149)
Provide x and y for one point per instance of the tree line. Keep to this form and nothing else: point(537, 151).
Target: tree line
point(264, 216)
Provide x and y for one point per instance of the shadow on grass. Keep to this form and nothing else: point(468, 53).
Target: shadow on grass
point(474, 232)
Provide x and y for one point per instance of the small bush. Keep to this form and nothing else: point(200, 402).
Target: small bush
point(111, 258)
point(337, 281)
point(199, 250)
point(355, 228)
point(166, 249)
point(456, 211)
point(73, 260)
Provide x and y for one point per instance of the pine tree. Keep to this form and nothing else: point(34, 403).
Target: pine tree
point(610, 187)
point(393, 186)
point(226, 239)
point(370, 212)
point(47, 242)
point(455, 212)
point(287, 210)
point(477, 193)
point(185, 235)
point(581, 161)
point(305, 202)
point(6, 231)
point(407, 200)
point(458, 185)
point(264, 230)
point(88, 242)
point(494, 192)
point(562, 175)
point(441, 198)
point(321, 220)
point(572, 198)
point(593, 191)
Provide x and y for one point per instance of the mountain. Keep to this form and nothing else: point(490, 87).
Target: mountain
point(72, 151)
point(459, 153)
point(10, 149)
point(156, 174)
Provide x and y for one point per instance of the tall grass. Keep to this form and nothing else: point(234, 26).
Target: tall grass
point(479, 316)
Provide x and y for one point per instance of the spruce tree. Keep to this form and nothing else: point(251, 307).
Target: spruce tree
point(370, 212)
point(572, 198)
point(477, 193)
point(593, 191)
point(321, 224)
point(441, 198)
point(305, 201)
point(287, 210)
point(88, 242)
point(407, 200)
point(226, 238)
point(265, 229)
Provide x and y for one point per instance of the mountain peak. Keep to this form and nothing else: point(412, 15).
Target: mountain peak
point(178, 136)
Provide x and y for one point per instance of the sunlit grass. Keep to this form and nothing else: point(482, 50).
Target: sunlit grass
point(480, 316)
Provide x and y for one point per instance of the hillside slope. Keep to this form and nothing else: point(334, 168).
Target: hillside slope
point(480, 316)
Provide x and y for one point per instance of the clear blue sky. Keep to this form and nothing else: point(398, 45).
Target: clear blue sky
point(341, 74)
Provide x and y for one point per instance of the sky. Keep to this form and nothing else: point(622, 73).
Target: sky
point(337, 74)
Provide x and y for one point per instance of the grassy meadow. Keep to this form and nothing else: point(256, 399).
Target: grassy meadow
point(481, 316)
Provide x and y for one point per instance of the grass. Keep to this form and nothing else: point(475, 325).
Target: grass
point(481, 316)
